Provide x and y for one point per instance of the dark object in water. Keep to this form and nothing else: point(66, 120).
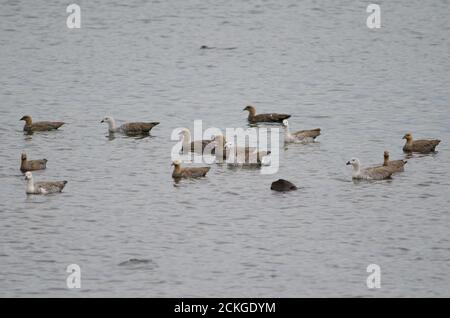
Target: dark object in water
point(282, 185)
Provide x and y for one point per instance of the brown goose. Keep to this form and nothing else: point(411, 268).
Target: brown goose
point(396, 165)
point(303, 136)
point(32, 165)
point(420, 146)
point(282, 185)
point(130, 129)
point(43, 187)
point(179, 172)
point(375, 173)
point(40, 126)
point(271, 118)
point(197, 146)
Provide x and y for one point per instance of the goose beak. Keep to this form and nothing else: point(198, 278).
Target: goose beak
point(348, 163)
point(404, 137)
point(102, 121)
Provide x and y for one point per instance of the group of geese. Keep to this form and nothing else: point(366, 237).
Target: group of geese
point(222, 150)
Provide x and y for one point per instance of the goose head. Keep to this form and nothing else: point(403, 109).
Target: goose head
point(386, 155)
point(27, 119)
point(24, 157)
point(107, 120)
point(285, 123)
point(250, 109)
point(185, 133)
point(28, 176)
point(408, 137)
point(354, 162)
point(176, 163)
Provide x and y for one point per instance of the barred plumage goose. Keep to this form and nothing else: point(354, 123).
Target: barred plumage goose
point(374, 173)
point(47, 187)
point(131, 129)
point(303, 136)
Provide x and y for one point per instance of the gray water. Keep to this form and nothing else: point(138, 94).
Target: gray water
point(227, 234)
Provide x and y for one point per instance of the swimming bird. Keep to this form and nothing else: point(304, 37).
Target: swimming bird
point(130, 129)
point(194, 172)
point(39, 126)
point(273, 117)
point(303, 136)
point(374, 173)
point(282, 185)
point(43, 187)
point(420, 146)
point(247, 156)
point(396, 165)
point(197, 146)
point(32, 165)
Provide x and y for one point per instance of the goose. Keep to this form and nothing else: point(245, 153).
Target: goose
point(273, 117)
point(32, 165)
point(248, 156)
point(396, 165)
point(303, 136)
point(375, 173)
point(196, 145)
point(131, 129)
point(43, 187)
point(39, 126)
point(420, 146)
point(179, 172)
point(282, 185)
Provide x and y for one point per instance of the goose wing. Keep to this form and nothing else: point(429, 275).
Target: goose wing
point(397, 165)
point(378, 173)
point(51, 186)
point(200, 145)
point(44, 126)
point(138, 128)
point(273, 117)
point(425, 145)
point(195, 172)
point(33, 165)
point(313, 133)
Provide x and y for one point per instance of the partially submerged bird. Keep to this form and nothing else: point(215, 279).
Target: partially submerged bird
point(193, 172)
point(39, 126)
point(303, 136)
point(197, 146)
point(374, 173)
point(420, 146)
point(32, 165)
point(282, 185)
point(43, 187)
point(130, 129)
point(396, 165)
point(273, 117)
